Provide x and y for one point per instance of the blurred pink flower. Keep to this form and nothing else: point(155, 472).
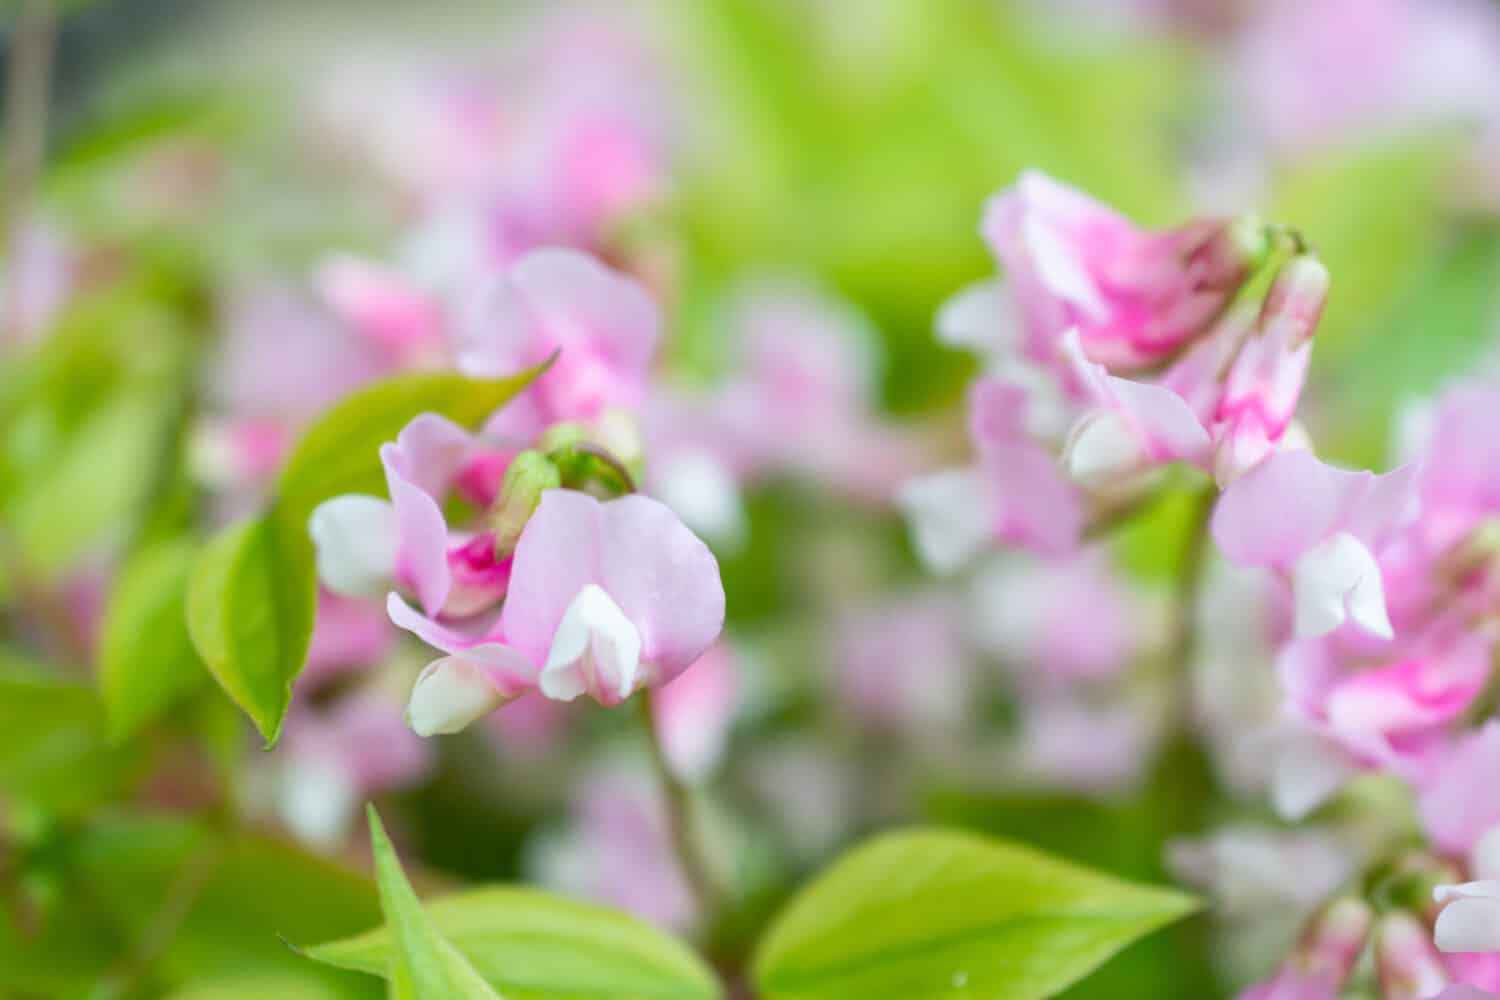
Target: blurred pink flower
point(1329, 526)
point(603, 327)
point(1134, 296)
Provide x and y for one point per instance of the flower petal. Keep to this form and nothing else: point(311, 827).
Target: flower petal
point(356, 538)
point(596, 651)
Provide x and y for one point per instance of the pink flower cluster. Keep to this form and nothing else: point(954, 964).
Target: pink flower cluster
point(1118, 351)
point(586, 597)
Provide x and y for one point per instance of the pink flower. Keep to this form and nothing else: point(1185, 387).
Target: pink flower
point(1259, 396)
point(405, 323)
point(603, 327)
point(604, 599)
point(1134, 296)
point(1321, 527)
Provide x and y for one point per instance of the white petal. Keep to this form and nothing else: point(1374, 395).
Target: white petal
point(978, 318)
point(950, 515)
point(596, 650)
point(1103, 448)
point(356, 538)
point(703, 492)
point(449, 694)
point(1308, 771)
point(1483, 889)
point(1469, 924)
point(1336, 580)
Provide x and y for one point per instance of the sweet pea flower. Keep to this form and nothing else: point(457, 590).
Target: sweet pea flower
point(602, 326)
point(1321, 527)
point(1135, 297)
point(1355, 716)
point(1470, 917)
point(604, 599)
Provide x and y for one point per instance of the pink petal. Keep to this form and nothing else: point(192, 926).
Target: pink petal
point(664, 579)
point(557, 555)
point(1278, 510)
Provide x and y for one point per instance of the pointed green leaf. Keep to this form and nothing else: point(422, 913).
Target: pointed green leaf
point(148, 660)
point(928, 914)
point(529, 945)
point(250, 609)
point(423, 963)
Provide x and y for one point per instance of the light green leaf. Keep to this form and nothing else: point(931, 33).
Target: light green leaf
point(424, 964)
point(529, 945)
point(148, 660)
point(251, 604)
point(927, 914)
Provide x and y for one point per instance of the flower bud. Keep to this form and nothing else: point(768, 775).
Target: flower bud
point(1335, 938)
point(1409, 967)
point(529, 474)
point(1296, 300)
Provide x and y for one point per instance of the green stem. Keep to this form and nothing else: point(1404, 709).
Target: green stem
point(679, 801)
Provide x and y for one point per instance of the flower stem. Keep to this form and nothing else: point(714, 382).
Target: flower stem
point(1183, 645)
point(679, 802)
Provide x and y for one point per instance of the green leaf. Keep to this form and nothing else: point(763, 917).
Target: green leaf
point(529, 945)
point(941, 914)
point(251, 604)
point(148, 660)
point(424, 964)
